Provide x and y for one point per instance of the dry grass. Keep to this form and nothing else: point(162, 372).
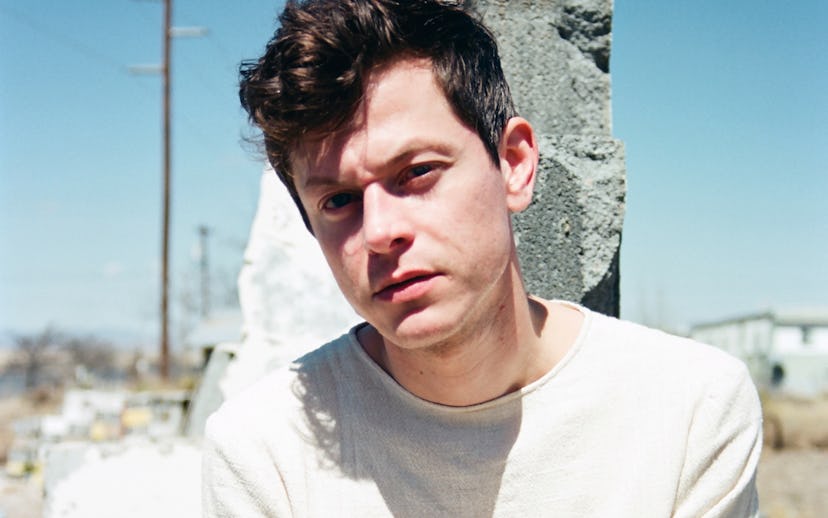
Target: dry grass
point(793, 471)
point(795, 422)
point(793, 483)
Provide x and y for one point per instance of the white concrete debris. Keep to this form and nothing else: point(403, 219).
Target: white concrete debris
point(289, 299)
point(133, 479)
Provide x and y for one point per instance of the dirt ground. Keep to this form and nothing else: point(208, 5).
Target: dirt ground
point(793, 483)
point(20, 498)
point(12, 408)
point(793, 472)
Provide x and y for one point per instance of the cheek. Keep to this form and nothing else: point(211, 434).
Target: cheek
point(351, 249)
point(489, 222)
point(344, 257)
point(482, 209)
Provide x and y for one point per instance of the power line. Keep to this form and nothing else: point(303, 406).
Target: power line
point(64, 39)
point(70, 43)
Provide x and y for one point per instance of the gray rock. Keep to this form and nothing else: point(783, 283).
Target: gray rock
point(569, 237)
point(555, 55)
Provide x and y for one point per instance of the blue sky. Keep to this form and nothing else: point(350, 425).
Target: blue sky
point(724, 112)
point(721, 105)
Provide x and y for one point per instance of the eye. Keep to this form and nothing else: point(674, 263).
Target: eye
point(420, 170)
point(417, 176)
point(339, 201)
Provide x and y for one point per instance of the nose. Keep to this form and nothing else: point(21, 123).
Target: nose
point(385, 222)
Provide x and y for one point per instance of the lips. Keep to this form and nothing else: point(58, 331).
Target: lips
point(407, 287)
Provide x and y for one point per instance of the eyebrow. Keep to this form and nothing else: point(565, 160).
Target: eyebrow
point(319, 181)
point(403, 155)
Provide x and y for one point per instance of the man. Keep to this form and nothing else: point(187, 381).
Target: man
point(393, 128)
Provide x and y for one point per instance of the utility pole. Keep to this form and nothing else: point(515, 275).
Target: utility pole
point(164, 364)
point(204, 234)
point(168, 33)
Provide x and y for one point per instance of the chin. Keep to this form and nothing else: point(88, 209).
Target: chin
point(423, 329)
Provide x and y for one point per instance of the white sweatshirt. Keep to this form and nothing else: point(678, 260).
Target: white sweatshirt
point(631, 423)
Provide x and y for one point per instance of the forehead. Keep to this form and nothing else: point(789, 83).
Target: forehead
point(403, 107)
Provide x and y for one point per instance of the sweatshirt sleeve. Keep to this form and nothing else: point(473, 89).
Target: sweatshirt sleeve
point(239, 479)
point(724, 442)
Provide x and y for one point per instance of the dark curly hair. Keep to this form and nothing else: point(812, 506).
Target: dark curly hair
point(310, 80)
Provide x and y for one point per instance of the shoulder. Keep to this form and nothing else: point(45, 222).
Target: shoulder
point(702, 396)
point(275, 404)
point(258, 438)
point(629, 342)
point(667, 369)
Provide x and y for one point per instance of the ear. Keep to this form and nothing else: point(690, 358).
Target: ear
point(518, 162)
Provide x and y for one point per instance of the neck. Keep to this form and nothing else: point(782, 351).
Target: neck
point(504, 353)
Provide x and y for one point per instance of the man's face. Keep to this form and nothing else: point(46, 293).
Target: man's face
point(410, 212)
